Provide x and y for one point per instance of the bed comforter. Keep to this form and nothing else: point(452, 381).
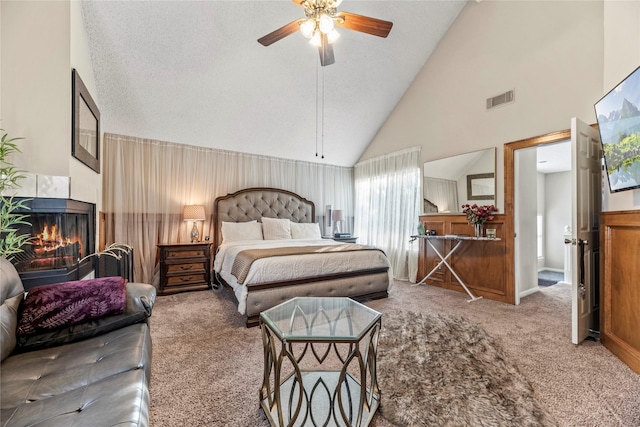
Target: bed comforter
point(290, 267)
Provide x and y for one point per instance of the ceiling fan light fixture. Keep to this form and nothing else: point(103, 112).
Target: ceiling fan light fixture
point(316, 40)
point(308, 27)
point(333, 36)
point(318, 25)
point(325, 23)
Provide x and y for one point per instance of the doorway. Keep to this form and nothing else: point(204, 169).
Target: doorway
point(586, 193)
point(519, 271)
point(542, 216)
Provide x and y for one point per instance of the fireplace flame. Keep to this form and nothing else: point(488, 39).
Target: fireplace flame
point(51, 239)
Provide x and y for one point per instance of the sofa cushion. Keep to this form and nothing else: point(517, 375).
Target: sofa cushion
point(11, 295)
point(42, 374)
point(140, 298)
point(121, 400)
point(54, 306)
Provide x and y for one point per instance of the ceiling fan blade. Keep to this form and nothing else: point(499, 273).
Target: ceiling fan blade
point(326, 52)
point(364, 24)
point(280, 33)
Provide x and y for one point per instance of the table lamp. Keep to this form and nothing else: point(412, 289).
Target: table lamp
point(338, 217)
point(194, 213)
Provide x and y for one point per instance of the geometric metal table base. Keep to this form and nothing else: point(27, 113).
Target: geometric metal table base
point(303, 339)
point(323, 386)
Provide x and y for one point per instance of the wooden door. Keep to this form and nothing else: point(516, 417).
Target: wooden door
point(586, 199)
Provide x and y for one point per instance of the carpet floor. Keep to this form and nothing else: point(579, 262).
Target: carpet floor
point(444, 370)
point(207, 367)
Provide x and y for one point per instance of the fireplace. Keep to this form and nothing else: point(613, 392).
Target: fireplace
point(63, 235)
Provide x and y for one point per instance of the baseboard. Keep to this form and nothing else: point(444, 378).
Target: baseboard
point(555, 270)
point(529, 292)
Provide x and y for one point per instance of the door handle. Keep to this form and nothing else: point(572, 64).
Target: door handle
point(569, 241)
point(581, 245)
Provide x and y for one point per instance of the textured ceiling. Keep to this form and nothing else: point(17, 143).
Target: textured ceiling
point(192, 72)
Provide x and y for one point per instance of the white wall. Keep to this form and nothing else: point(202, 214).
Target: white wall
point(525, 207)
point(621, 56)
point(86, 185)
point(41, 42)
point(550, 52)
point(540, 212)
point(36, 83)
point(557, 216)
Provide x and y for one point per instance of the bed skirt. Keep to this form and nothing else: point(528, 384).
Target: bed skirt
point(361, 286)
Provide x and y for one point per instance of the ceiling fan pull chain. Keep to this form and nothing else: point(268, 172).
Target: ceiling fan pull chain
point(322, 78)
point(317, 91)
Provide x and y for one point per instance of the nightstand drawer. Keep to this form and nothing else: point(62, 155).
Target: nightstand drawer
point(174, 253)
point(192, 267)
point(186, 279)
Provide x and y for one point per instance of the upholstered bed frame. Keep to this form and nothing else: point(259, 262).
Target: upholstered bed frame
point(254, 203)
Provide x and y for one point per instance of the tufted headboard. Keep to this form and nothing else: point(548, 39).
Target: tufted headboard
point(254, 203)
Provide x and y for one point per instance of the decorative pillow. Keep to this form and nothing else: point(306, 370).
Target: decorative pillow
point(234, 231)
point(51, 307)
point(305, 230)
point(276, 229)
point(139, 305)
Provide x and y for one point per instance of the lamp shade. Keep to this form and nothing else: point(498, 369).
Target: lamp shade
point(338, 215)
point(193, 213)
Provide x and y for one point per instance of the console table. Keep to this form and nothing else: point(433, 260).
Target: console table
point(443, 259)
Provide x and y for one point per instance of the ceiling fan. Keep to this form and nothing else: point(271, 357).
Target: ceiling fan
point(319, 26)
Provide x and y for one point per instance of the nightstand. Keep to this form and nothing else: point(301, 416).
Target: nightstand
point(342, 239)
point(184, 267)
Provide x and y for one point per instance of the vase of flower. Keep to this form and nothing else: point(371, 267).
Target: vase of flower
point(477, 216)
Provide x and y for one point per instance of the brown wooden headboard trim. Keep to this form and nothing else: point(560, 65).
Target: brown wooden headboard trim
point(254, 203)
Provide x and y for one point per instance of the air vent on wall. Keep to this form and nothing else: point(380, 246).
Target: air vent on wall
point(503, 98)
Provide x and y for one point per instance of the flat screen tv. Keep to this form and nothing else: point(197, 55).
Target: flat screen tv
point(618, 115)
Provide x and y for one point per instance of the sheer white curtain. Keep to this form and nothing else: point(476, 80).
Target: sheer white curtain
point(388, 200)
point(146, 183)
point(443, 193)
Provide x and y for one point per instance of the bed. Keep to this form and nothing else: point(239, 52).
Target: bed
point(304, 264)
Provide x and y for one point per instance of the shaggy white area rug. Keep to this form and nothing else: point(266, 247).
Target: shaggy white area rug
point(438, 370)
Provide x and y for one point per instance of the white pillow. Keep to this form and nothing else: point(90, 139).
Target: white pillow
point(234, 231)
point(305, 230)
point(276, 229)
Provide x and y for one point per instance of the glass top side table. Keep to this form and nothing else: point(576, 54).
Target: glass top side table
point(320, 362)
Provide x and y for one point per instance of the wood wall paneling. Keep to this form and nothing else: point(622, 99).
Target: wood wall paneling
point(620, 291)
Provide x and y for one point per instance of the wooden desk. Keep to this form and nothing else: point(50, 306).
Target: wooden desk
point(443, 259)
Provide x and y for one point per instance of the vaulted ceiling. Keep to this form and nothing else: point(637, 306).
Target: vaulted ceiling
point(192, 72)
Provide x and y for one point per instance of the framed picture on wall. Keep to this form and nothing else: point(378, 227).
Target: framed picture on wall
point(85, 122)
point(481, 186)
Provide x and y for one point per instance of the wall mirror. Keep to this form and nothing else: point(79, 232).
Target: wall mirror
point(85, 121)
point(453, 181)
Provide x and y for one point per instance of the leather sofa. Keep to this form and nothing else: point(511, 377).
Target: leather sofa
point(91, 374)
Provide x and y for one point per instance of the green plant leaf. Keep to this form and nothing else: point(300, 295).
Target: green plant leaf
point(10, 241)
